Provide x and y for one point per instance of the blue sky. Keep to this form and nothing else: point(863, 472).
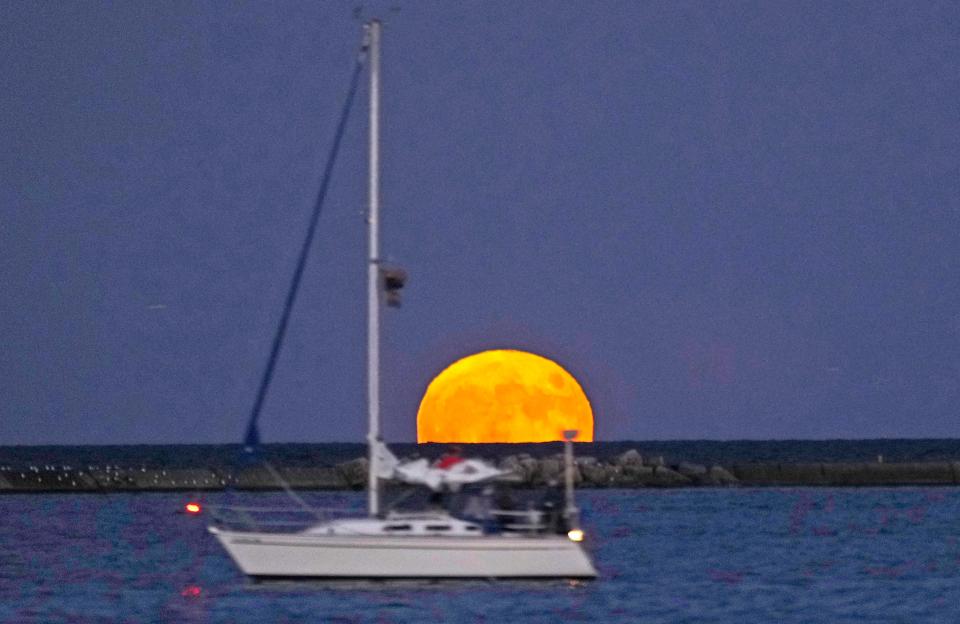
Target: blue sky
point(729, 220)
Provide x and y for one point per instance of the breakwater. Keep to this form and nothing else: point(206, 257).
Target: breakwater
point(631, 468)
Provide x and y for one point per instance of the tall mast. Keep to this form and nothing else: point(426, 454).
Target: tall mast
point(373, 273)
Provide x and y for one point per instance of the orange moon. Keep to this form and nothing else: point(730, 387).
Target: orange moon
point(503, 396)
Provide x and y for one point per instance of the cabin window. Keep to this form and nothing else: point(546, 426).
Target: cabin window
point(438, 527)
point(397, 527)
point(473, 528)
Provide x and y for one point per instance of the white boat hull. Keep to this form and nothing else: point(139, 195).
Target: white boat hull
point(298, 555)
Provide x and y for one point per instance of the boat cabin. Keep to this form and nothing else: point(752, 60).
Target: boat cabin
point(431, 525)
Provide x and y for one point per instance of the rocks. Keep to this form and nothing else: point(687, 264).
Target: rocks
point(354, 473)
point(630, 458)
point(691, 470)
point(718, 475)
point(528, 470)
point(550, 470)
point(595, 474)
point(638, 473)
point(665, 477)
point(700, 475)
point(528, 467)
point(510, 463)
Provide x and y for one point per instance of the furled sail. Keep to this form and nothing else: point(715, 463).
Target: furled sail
point(421, 472)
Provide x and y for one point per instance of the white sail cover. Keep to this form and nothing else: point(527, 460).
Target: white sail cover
point(386, 462)
point(420, 472)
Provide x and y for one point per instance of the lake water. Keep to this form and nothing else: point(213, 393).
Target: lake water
point(696, 555)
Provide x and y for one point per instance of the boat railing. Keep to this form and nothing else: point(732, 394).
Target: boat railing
point(272, 519)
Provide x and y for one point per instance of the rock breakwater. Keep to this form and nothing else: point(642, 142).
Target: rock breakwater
point(630, 469)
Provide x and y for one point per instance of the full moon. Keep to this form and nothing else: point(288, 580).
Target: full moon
point(503, 396)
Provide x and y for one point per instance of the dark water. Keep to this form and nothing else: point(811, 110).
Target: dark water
point(709, 555)
point(701, 451)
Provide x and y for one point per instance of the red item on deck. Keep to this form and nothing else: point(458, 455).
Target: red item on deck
point(448, 461)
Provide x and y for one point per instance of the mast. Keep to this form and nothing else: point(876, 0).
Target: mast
point(570, 507)
point(373, 274)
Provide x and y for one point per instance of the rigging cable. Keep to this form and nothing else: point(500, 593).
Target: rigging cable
point(252, 437)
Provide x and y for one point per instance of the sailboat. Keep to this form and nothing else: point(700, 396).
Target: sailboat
point(392, 544)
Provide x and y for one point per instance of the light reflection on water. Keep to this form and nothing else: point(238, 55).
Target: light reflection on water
point(794, 555)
